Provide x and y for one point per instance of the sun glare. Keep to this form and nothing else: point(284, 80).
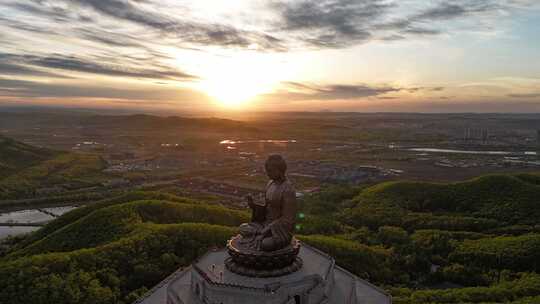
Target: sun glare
point(235, 83)
point(233, 91)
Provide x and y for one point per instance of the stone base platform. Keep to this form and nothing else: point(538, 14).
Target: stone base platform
point(318, 281)
point(254, 263)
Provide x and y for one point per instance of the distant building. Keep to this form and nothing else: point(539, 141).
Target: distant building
point(467, 134)
point(485, 135)
point(476, 135)
point(319, 281)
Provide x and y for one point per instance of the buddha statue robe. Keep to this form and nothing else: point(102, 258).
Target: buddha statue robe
point(272, 223)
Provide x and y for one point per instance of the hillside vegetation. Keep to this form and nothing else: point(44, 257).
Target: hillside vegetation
point(15, 156)
point(114, 222)
point(476, 241)
point(479, 204)
point(84, 252)
point(26, 170)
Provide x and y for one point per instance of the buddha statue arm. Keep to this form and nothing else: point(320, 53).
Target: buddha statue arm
point(258, 213)
point(288, 210)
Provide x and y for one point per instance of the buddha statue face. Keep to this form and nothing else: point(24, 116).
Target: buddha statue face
point(275, 167)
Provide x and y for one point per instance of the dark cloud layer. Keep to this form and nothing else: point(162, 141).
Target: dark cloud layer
point(18, 64)
point(455, 9)
point(298, 91)
point(185, 30)
point(426, 21)
point(15, 69)
point(32, 89)
point(300, 23)
point(301, 91)
point(332, 23)
point(72, 63)
point(18, 25)
point(109, 38)
point(342, 23)
point(529, 95)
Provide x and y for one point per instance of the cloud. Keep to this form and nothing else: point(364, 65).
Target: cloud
point(343, 23)
point(413, 90)
point(143, 13)
point(18, 25)
point(295, 91)
point(184, 29)
point(334, 23)
point(53, 12)
point(21, 70)
point(49, 9)
point(33, 89)
point(443, 11)
point(83, 65)
point(72, 63)
point(417, 23)
point(294, 24)
point(109, 38)
point(455, 9)
point(299, 91)
point(421, 31)
point(529, 95)
point(123, 9)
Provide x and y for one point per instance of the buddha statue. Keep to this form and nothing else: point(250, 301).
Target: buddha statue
point(265, 247)
point(272, 220)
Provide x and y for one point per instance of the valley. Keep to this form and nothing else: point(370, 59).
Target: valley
point(432, 218)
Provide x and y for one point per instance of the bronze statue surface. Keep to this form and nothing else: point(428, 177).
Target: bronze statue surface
point(266, 246)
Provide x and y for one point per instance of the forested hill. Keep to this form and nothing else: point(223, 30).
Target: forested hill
point(16, 155)
point(424, 243)
point(482, 203)
point(25, 169)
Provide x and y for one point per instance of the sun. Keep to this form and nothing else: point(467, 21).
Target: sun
point(233, 91)
point(236, 82)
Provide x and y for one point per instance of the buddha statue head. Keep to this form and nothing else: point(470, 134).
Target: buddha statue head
point(275, 167)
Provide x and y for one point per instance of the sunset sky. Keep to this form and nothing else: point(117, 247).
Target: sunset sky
point(339, 55)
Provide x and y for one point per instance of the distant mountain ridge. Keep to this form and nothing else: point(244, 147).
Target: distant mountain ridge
point(139, 121)
point(147, 121)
